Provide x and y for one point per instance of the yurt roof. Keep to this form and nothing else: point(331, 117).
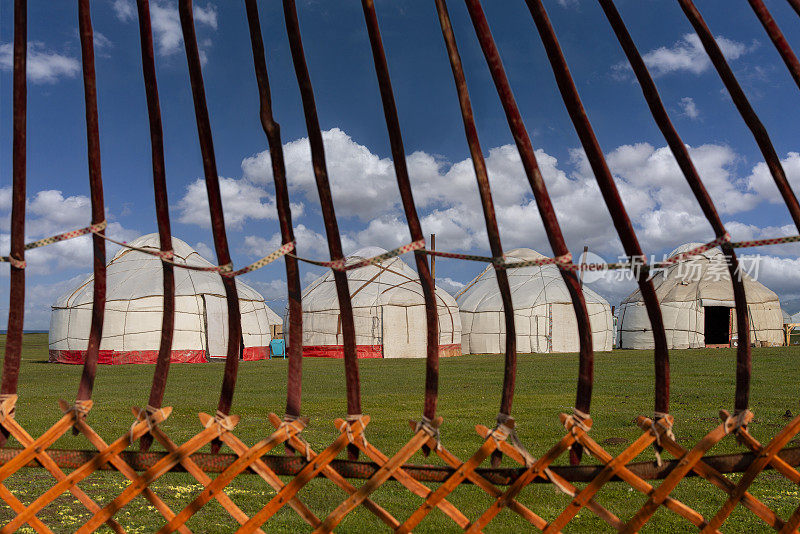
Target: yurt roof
point(703, 277)
point(389, 282)
point(530, 286)
point(132, 275)
point(786, 317)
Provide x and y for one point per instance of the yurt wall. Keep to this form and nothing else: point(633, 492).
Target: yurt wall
point(543, 315)
point(134, 297)
point(388, 310)
point(698, 307)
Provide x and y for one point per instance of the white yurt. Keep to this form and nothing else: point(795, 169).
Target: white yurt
point(134, 300)
point(543, 314)
point(388, 308)
point(696, 298)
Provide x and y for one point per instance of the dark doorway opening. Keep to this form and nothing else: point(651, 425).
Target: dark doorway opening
point(717, 325)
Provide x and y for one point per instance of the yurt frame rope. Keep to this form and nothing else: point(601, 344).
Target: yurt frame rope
point(141, 468)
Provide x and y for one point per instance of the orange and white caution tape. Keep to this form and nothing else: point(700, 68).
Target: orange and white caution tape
point(695, 251)
point(20, 264)
point(341, 264)
point(469, 257)
point(224, 270)
point(762, 242)
point(165, 255)
point(266, 260)
point(563, 262)
point(503, 262)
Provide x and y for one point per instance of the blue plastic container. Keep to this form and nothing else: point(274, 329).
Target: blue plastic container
point(277, 348)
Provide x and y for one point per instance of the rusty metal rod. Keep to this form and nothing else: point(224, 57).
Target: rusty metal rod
point(162, 211)
point(547, 212)
point(687, 167)
point(774, 32)
point(290, 466)
point(326, 202)
point(482, 177)
point(16, 294)
point(414, 226)
point(481, 174)
point(273, 132)
point(214, 203)
point(608, 188)
point(743, 105)
point(98, 207)
point(16, 309)
point(795, 5)
point(743, 365)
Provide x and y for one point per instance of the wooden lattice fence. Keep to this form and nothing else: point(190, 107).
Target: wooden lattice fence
point(287, 475)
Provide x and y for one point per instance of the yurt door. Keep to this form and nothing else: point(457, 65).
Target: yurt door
point(216, 322)
point(404, 332)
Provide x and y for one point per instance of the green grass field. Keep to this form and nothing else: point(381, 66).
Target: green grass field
point(702, 383)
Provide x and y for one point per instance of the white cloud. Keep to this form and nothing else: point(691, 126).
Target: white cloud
point(271, 291)
point(5, 203)
point(125, 10)
point(309, 244)
point(614, 286)
point(48, 213)
point(101, 42)
point(761, 182)
point(689, 107)
point(449, 285)
point(749, 232)
point(241, 200)
point(686, 54)
point(204, 250)
point(781, 275)
point(655, 193)
point(166, 24)
point(362, 184)
point(39, 297)
point(206, 15)
point(656, 173)
point(311, 276)
point(43, 66)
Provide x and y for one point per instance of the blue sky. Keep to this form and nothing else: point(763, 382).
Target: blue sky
point(365, 193)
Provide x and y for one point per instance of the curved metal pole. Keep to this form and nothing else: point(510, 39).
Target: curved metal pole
point(273, 132)
point(608, 188)
point(795, 5)
point(16, 294)
point(162, 212)
point(215, 205)
point(745, 109)
point(774, 32)
point(328, 213)
point(743, 367)
point(414, 227)
point(98, 209)
point(481, 175)
point(686, 165)
point(545, 206)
